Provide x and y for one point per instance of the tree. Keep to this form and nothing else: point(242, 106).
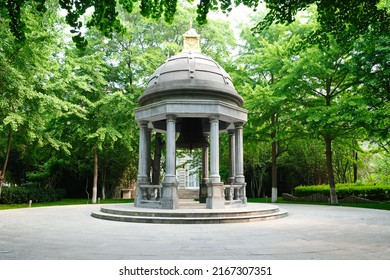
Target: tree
point(305, 158)
point(370, 65)
point(297, 92)
point(25, 70)
point(344, 20)
point(329, 107)
point(106, 113)
point(264, 63)
point(257, 160)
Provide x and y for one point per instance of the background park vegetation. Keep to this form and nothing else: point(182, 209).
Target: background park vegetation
point(317, 90)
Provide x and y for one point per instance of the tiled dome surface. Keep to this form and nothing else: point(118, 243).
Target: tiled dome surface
point(190, 73)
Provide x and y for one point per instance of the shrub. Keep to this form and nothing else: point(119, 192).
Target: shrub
point(372, 192)
point(17, 195)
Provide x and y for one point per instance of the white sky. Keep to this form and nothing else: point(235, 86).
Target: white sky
point(240, 14)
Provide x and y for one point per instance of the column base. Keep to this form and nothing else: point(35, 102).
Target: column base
point(215, 196)
point(239, 179)
point(138, 192)
point(203, 193)
point(242, 195)
point(215, 179)
point(169, 198)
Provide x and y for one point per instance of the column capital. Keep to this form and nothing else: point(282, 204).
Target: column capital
point(143, 123)
point(214, 118)
point(230, 131)
point(171, 117)
point(238, 124)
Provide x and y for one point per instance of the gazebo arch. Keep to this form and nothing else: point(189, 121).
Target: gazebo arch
point(191, 92)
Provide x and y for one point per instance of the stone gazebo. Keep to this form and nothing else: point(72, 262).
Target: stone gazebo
point(191, 95)
point(192, 100)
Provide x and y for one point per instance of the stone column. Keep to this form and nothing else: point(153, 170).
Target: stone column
point(205, 175)
point(205, 164)
point(232, 156)
point(148, 153)
point(229, 191)
point(169, 198)
point(239, 168)
point(214, 150)
point(215, 190)
point(239, 158)
point(142, 178)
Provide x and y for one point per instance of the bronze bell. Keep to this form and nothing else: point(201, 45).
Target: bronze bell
point(191, 134)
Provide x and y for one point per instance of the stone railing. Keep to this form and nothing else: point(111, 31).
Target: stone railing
point(150, 193)
point(232, 195)
point(235, 194)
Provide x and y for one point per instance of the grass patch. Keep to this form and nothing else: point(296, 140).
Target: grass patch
point(382, 206)
point(63, 202)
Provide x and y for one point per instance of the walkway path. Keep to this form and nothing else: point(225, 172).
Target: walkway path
point(309, 232)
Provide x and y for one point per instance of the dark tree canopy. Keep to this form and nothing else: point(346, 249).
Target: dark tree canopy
point(344, 19)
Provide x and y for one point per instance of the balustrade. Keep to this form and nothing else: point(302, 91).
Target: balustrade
point(233, 193)
point(150, 192)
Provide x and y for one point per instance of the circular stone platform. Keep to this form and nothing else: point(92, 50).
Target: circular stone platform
point(190, 213)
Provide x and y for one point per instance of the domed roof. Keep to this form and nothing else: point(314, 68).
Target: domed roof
point(190, 75)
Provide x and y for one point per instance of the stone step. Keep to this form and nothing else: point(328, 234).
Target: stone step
point(189, 220)
point(194, 214)
point(253, 213)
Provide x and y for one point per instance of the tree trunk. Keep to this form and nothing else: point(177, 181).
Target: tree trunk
point(355, 167)
point(86, 188)
point(260, 184)
point(274, 164)
point(157, 159)
point(104, 184)
point(253, 184)
point(2, 175)
point(2, 172)
point(274, 171)
point(95, 175)
point(329, 165)
point(104, 177)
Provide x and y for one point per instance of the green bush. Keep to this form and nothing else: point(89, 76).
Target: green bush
point(372, 192)
point(18, 195)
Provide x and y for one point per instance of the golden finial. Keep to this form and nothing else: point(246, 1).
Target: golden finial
point(191, 40)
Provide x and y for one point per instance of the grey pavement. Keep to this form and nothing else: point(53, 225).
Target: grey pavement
point(308, 232)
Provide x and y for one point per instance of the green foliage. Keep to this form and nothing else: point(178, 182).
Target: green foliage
point(60, 103)
point(48, 174)
point(305, 158)
point(372, 192)
point(17, 195)
point(345, 20)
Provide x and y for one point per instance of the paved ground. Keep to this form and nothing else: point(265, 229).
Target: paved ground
point(309, 232)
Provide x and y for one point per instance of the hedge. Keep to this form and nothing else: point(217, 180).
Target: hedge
point(17, 195)
point(372, 192)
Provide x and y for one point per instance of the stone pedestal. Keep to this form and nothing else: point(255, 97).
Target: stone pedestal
point(139, 194)
point(169, 199)
point(203, 193)
point(215, 196)
point(242, 194)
